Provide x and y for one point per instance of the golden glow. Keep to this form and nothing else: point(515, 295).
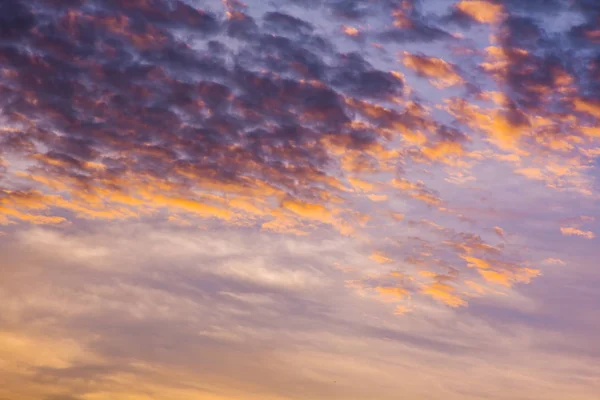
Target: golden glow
point(482, 11)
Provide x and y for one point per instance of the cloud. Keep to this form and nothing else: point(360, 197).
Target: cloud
point(392, 291)
point(499, 231)
point(554, 261)
point(380, 257)
point(572, 231)
point(441, 73)
point(481, 11)
point(189, 176)
point(443, 293)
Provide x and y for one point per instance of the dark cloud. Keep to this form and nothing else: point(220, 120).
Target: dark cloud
point(16, 19)
point(162, 90)
point(538, 64)
point(286, 24)
point(359, 78)
point(295, 56)
point(419, 31)
point(115, 79)
point(534, 6)
point(459, 18)
point(349, 9)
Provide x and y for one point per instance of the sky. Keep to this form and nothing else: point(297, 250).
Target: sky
point(299, 199)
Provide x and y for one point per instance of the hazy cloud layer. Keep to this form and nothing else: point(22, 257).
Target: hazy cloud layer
point(299, 199)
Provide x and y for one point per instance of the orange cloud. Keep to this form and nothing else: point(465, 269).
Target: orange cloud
point(503, 128)
point(350, 31)
point(427, 198)
point(441, 73)
point(31, 218)
point(532, 173)
point(392, 291)
point(308, 210)
point(317, 212)
point(554, 261)
point(283, 224)
point(507, 278)
point(417, 191)
point(380, 257)
point(193, 206)
point(482, 11)
point(443, 150)
point(110, 200)
point(572, 231)
point(361, 185)
point(475, 262)
point(397, 216)
point(377, 197)
point(443, 293)
point(26, 206)
point(499, 231)
point(587, 106)
point(501, 273)
point(176, 219)
point(246, 205)
point(498, 61)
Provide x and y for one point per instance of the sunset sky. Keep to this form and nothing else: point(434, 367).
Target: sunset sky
point(299, 200)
